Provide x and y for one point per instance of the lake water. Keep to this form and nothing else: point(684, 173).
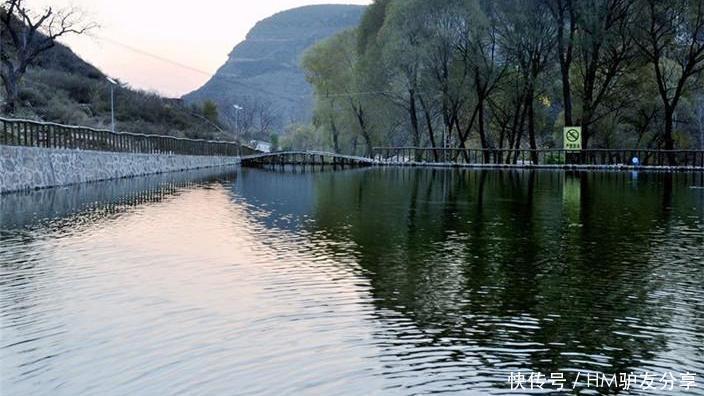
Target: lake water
point(373, 281)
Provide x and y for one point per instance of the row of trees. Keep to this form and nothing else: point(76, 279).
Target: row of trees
point(510, 73)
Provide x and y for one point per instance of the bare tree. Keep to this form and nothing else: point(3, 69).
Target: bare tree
point(480, 50)
point(30, 35)
point(447, 31)
point(595, 49)
point(527, 35)
point(606, 53)
point(266, 118)
point(256, 118)
point(672, 39)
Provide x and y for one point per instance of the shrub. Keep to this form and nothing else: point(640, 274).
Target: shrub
point(210, 110)
point(33, 95)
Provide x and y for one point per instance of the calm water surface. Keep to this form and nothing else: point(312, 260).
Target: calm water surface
point(380, 281)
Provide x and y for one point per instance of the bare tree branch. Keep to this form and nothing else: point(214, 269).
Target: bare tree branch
point(30, 35)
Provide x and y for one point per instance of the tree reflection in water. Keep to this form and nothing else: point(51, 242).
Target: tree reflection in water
point(493, 271)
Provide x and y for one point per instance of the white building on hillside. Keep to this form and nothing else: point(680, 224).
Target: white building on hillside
point(262, 146)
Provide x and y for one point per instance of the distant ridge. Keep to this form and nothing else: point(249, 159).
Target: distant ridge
point(265, 68)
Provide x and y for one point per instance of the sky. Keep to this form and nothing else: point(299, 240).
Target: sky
point(168, 46)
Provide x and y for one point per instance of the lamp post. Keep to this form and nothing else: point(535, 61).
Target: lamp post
point(112, 102)
point(237, 117)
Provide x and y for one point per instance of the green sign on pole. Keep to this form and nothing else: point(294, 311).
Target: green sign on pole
point(573, 138)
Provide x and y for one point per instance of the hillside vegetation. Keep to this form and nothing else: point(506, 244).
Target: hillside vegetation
point(61, 87)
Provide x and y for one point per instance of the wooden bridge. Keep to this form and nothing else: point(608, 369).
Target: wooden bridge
point(304, 158)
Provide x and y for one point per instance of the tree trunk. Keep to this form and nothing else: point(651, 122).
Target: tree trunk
point(359, 113)
point(565, 55)
point(335, 136)
point(669, 140)
point(586, 120)
point(519, 134)
point(531, 128)
point(502, 136)
point(414, 122)
point(482, 132)
point(365, 133)
point(513, 132)
point(586, 124)
point(368, 143)
point(566, 93)
point(461, 144)
point(429, 124)
point(463, 137)
point(12, 92)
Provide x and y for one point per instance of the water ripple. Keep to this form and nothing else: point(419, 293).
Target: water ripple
point(361, 282)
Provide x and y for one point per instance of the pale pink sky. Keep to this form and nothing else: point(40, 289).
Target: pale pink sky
point(197, 34)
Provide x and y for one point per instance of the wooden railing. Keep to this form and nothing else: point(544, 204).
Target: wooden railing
point(304, 158)
point(541, 157)
point(16, 132)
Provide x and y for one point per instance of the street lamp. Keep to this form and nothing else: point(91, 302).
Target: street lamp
point(237, 117)
point(113, 83)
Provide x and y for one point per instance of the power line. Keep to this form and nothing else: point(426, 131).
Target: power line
point(151, 55)
point(233, 79)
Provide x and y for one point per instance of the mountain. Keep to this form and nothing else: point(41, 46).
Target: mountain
point(263, 73)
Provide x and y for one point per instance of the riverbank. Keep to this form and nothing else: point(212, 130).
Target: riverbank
point(29, 168)
point(621, 167)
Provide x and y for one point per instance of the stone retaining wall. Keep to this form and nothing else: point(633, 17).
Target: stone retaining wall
point(25, 168)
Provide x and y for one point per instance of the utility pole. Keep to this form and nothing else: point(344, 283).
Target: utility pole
point(112, 102)
point(700, 121)
point(237, 118)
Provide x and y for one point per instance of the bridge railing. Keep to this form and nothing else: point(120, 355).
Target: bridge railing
point(17, 132)
point(600, 157)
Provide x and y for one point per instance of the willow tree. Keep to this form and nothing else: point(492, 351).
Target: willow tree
point(418, 44)
point(420, 41)
point(332, 67)
point(399, 39)
point(490, 73)
point(429, 45)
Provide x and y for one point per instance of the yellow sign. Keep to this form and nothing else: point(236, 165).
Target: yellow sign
point(573, 138)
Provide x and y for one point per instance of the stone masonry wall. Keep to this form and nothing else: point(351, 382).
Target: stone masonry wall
point(24, 168)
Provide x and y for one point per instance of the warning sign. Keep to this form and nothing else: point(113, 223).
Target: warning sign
point(573, 138)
